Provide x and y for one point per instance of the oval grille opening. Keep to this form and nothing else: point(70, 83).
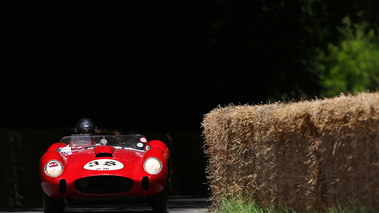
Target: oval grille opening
point(103, 185)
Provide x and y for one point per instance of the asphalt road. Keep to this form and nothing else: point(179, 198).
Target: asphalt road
point(176, 204)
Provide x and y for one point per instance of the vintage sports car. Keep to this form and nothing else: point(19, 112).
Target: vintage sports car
point(105, 167)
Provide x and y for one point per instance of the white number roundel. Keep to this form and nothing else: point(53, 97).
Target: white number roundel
point(104, 165)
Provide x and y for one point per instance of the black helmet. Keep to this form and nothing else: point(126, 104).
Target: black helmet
point(85, 126)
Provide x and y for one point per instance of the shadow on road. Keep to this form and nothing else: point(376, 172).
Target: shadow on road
point(176, 204)
point(188, 203)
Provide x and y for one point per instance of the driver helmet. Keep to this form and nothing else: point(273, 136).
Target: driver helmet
point(85, 126)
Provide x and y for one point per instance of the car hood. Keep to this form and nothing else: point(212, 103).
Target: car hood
point(105, 151)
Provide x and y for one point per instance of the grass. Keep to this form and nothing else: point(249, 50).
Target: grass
point(354, 207)
point(238, 204)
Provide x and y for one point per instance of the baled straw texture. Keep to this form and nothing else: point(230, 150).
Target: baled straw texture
point(305, 155)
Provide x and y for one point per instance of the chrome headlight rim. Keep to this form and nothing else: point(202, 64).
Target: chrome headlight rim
point(48, 170)
point(154, 170)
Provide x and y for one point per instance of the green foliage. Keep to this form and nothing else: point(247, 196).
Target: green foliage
point(352, 65)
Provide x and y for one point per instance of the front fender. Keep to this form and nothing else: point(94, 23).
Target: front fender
point(55, 146)
point(160, 145)
point(50, 155)
point(163, 176)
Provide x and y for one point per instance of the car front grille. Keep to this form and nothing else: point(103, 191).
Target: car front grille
point(103, 185)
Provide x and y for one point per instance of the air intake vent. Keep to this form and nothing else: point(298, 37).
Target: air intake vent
point(103, 185)
point(104, 154)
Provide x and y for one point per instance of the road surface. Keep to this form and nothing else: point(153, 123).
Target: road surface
point(175, 205)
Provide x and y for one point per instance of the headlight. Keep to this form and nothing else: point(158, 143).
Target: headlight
point(152, 166)
point(53, 168)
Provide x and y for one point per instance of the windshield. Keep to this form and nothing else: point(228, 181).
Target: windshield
point(80, 141)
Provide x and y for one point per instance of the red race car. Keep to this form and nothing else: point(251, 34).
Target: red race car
point(119, 167)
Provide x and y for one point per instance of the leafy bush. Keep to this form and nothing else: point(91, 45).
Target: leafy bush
point(352, 65)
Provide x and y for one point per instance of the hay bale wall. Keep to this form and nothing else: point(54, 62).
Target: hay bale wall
point(305, 155)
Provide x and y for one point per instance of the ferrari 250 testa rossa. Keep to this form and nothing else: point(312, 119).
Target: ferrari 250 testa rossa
point(95, 167)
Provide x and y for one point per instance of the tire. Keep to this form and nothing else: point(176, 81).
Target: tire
point(51, 205)
point(159, 202)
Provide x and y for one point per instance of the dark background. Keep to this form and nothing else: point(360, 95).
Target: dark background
point(159, 65)
point(153, 67)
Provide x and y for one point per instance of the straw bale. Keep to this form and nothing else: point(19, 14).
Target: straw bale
point(350, 152)
point(306, 155)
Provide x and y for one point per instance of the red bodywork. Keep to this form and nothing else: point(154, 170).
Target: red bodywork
point(132, 180)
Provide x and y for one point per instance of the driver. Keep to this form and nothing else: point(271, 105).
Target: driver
point(85, 126)
point(84, 129)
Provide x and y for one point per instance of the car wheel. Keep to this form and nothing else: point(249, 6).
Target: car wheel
point(159, 202)
point(51, 205)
